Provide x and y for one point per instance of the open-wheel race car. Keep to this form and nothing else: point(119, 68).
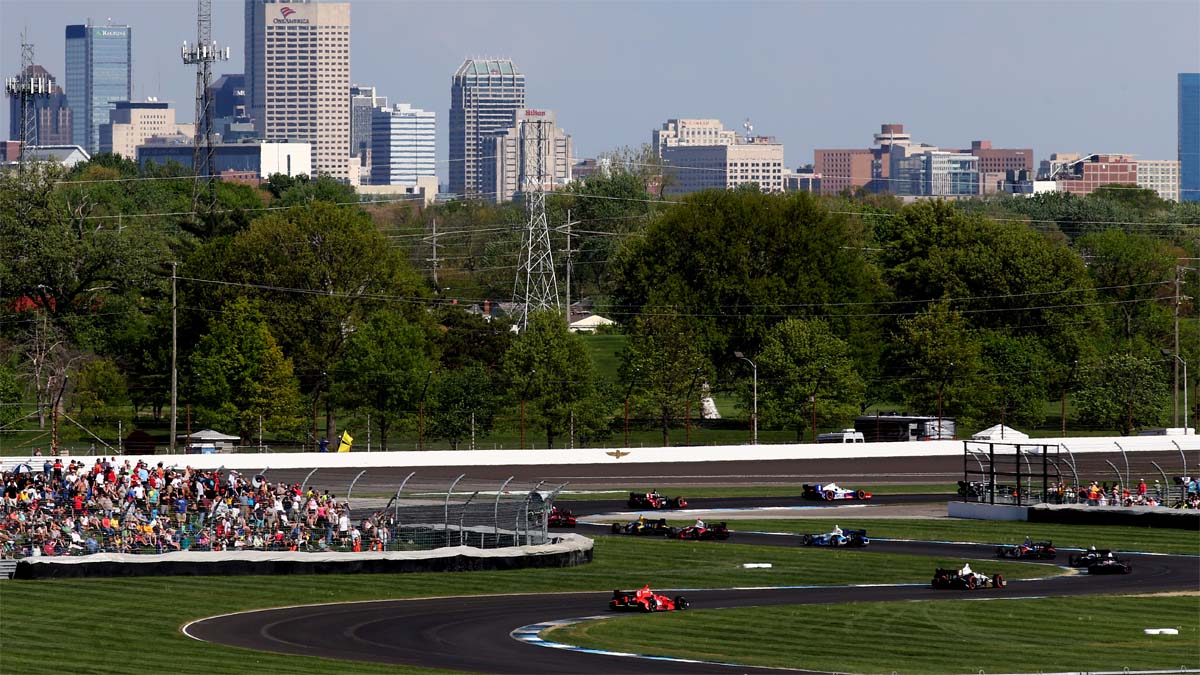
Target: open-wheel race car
point(837, 538)
point(702, 531)
point(966, 579)
point(1089, 557)
point(641, 526)
point(560, 517)
point(1030, 550)
point(646, 600)
point(1101, 562)
point(653, 500)
point(829, 492)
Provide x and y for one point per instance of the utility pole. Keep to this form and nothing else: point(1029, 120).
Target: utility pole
point(174, 356)
point(536, 287)
point(435, 259)
point(1175, 389)
point(567, 285)
point(202, 55)
point(25, 89)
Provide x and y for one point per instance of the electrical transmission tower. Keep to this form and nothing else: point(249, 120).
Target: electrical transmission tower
point(203, 54)
point(26, 88)
point(536, 288)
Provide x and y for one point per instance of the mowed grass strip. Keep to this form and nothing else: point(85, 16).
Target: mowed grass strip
point(124, 625)
point(1116, 537)
point(1007, 636)
point(796, 490)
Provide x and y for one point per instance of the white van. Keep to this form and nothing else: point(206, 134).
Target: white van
point(843, 436)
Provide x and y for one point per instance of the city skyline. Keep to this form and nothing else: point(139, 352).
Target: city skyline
point(811, 74)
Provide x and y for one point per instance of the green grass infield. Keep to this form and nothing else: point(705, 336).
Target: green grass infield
point(1003, 636)
point(107, 625)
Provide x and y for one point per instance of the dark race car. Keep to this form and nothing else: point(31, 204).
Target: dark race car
point(702, 532)
point(829, 492)
point(1088, 557)
point(560, 518)
point(653, 500)
point(965, 579)
point(646, 600)
point(1108, 563)
point(641, 526)
point(837, 538)
point(1037, 550)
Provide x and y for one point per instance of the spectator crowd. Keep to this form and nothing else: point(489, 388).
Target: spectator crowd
point(76, 508)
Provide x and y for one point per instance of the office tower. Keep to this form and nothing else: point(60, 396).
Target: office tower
point(1160, 175)
point(363, 102)
point(485, 95)
point(692, 168)
point(52, 115)
point(132, 123)
point(1189, 137)
point(677, 132)
point(298, 78)
point(403, 143)
point(509, 153)
point(99, 73)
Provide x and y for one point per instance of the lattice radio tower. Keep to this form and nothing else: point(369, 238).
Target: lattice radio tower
point(536, 287)
point(26, 88)
point(203, 54)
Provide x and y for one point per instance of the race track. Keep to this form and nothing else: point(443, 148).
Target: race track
point(473, 633)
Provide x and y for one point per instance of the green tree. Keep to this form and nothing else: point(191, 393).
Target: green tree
point(1122, 392)
point(944, 365)
point(238, 373)
point(1130, 272)
point(99, 384)
point(384, 371)
point(10, 396)
point(469, 339)
point(548, 367)
point(1020, 373)
point(663, 367)
point(801, 359)
point(462, 404)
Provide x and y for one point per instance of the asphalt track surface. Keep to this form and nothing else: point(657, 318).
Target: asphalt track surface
point(589, 507)
point(474, 633)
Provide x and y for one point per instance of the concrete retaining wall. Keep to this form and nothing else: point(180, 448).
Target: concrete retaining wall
point(715, 453)
point(987, 511)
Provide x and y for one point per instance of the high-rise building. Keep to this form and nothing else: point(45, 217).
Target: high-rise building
point(1189, 137)
point(363, 102)
point(298, 78)
point(692, 168)
point(229, 96)
point(51, 114)
point(678, 132)
point(485, 95)
point(511, 155)
point(403, 144)
point(99, 73)
point(132, 123)
point(1160, 175)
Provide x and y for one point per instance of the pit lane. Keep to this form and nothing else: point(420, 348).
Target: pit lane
point(474, 633)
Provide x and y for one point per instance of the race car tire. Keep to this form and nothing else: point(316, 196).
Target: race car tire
point(830, 495)
point(1073, 561)
point(861, 494)
point(835, 542)
point(806, 539)
point(616, 528)
point(998, 581)
point(681, 602)
point(649, 606)
point(971, 583)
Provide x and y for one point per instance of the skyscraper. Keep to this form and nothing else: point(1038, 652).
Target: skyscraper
point(99, 73)
point(485, 95)
point(511, 155)
point(298, 78)
point(51, 117)
point(404, 140)
point(363, 102)
point(1189, 137)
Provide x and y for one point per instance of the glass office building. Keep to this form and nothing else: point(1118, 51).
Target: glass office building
point(99, 73)
point(1189, 137)
point(484, 98)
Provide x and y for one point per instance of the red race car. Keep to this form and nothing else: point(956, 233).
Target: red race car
point(560, 518)
point(702, 531)
point(653, 500)
point(646, 600)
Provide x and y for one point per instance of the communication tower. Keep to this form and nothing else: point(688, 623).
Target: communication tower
point(203, 54)
point(26, 88)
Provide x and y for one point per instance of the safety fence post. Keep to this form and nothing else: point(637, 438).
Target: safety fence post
point(496, 512)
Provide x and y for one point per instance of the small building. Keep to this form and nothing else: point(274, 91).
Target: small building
point(263, 159)
point(590, 324)
point(208, 442)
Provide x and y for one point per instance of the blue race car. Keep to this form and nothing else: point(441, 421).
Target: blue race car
point(837, 538)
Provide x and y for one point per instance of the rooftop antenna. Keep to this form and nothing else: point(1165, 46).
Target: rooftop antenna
point(749, 129)
point(203, 54)
point(26, 88)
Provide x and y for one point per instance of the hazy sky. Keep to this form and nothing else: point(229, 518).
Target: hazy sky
point(1057, 76)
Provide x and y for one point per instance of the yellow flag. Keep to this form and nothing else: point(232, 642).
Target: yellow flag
point(346, 441)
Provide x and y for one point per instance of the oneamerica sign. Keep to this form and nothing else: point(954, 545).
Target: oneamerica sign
point(287, 13)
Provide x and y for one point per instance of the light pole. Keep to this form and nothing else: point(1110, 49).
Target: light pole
point(688, 410)
point(754, 413)
point(813, 400)
point(628, 392)
point(421, 413)
point(523, 395)
point(941, 386)
point(1168, 352)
